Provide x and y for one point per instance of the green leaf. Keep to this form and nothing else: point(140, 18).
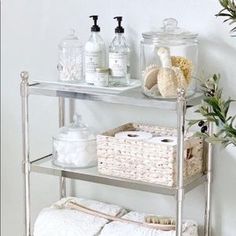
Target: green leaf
point(227, 20)
point(201, 135)
point(232, 120)
point(230, 130)
point(214, 140)
point(222, 10)
point(226, 106)
point(233, 30)
point(192, 122)
point(232, 6)
point(224, 14)
point(218, 93)
point(211, 114)
point(203, 110)
point(232, 22)
point(214, 103)
point(224, 3)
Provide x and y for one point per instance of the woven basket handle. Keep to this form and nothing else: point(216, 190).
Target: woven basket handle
point(189, 154)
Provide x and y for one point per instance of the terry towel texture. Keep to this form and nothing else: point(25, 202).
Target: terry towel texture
point(56, 221)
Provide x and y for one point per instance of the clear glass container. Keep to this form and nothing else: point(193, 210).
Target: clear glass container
point(74, 146)
point(70, 65)
point(102, 77)
point(168, 60)
point(119, 61)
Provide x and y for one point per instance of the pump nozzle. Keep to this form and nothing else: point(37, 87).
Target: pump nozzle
point(119, 28)
point(95, 27)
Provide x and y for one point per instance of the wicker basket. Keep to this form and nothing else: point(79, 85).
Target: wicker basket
point(145, 161)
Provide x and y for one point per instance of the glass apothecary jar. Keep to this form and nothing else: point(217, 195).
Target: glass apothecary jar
point(70, 64)
point(168, 61)
point(74, 146)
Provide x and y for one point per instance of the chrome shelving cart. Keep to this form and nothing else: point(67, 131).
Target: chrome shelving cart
point(130, 97)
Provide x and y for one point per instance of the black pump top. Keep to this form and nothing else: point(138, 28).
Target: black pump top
point(95, 27)
point(119, 28)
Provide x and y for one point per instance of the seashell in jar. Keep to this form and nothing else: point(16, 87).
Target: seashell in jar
point(150, 76)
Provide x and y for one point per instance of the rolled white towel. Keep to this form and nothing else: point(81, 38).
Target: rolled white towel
point(56, 221)
point(122, 229)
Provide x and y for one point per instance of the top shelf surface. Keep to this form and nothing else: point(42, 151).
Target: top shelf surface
point(132, 96)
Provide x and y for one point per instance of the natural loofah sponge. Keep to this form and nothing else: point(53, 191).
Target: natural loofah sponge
point(184, 64)
point(182, 82)
point(167, 82)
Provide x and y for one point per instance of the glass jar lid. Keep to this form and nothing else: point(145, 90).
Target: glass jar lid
point(76, 131)
point(169, 32)
point(70, 41)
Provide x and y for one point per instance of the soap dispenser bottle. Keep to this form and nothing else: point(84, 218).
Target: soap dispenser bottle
point(119, 57)
point(95, 53)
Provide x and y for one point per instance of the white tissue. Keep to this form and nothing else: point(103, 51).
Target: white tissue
point(134, 135)
point(166, 140)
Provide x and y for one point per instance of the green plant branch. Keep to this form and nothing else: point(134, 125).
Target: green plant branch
point(228, 11)
point(214, 108)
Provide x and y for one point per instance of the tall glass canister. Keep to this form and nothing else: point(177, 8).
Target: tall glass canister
point(70, 65)
point(168, 61)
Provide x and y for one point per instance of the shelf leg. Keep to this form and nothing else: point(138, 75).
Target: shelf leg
point(181, 110)
point(62, 123)
point(207, 227)
point(26, 160)
point(71, 109)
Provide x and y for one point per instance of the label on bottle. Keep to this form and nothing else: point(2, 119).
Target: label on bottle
point(92, 61)
point(118, 64)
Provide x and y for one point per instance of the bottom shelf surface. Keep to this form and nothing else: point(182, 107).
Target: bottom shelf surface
point(44, 165)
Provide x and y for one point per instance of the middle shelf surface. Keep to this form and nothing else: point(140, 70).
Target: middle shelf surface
point(132, 96)
point(44, 165)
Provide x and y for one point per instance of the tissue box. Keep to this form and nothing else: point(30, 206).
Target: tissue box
point(136, 156)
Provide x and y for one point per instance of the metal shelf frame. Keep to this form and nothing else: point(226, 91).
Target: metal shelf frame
point(130, 97)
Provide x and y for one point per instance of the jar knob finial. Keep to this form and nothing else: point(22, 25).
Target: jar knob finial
point(170, 24)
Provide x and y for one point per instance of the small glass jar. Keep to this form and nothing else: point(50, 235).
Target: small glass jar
point(70, 65)
point(102, 78)
point(168, 61)
point(74, 146)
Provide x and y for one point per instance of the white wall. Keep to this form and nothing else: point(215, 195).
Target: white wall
point(31, 31)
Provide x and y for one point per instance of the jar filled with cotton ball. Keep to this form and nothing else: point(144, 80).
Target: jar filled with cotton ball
point(75, 146)
point(70, 64)
point(168, 61)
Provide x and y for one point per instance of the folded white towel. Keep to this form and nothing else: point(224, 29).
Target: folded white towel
point(122, 229)
point(56, 221)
